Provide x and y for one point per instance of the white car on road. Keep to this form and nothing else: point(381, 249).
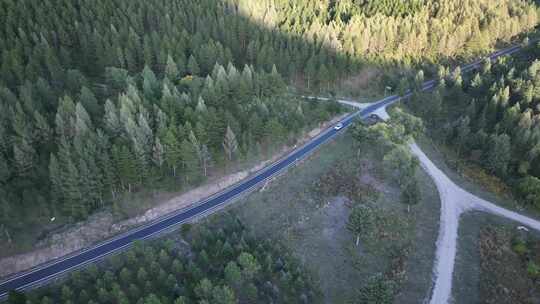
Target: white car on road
point(339, 126)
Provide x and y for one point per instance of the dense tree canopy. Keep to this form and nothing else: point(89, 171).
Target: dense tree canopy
point(225, 265)
point(98, 98)
point(493, 119)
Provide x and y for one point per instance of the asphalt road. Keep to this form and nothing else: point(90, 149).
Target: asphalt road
point(54, 268)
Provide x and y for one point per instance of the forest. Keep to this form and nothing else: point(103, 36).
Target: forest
point(101, 98)
point(491, 118)
point(77, 129)
point(221, 263)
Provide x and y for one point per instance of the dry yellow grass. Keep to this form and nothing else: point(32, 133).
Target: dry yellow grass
point(486, 180)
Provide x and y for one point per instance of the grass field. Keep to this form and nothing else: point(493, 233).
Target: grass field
point(488, 268)
point(290, 210)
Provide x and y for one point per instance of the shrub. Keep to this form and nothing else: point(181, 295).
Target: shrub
point(533, 270)
point(378, 290)
point(528, 189)
point(520, 248)
point(185, 229)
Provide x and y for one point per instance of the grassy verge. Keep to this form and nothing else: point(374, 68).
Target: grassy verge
point(292, 210)
point(490, 267)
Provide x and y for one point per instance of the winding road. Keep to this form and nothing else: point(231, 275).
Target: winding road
point(44, 273)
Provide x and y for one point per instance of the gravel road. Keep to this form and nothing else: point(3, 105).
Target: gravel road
point(455, 201)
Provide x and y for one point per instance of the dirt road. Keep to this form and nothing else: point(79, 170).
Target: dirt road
point(455, 201)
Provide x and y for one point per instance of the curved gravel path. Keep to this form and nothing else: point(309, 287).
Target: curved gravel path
point(455, 201)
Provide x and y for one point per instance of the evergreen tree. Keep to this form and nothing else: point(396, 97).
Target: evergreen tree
point(172, 155)
point(111, 119)
point(193, 66)
point(190, 160)
point(361, 221)
point(206, 159)
point(73, 202)
point(410, 193)
point(158, 153)
point(15, 297)
point(90, 102)
point(276, 131)
point(171, 70)
point(125, 165)
point(462, 134)
point(498, 155)
point(56, 180)
point(25, 156)
point(230, 144)
point(42, 131)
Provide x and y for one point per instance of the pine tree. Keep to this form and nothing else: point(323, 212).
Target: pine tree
point(230, 144)
point(190, 161)
point(65, 120)
point(56, 181)
point(419, 80)
point(171, 70)
point(310, 70)
point(83, 123)
point(42, 131)
point(361, 221)
point(498, 155)
point(410, 193)
point(457, 79)
point(125, 165)
point(25, 156)
point(193, 66)
point(157, 153)
point(108, 174)
point(462, 134)
point(150, 83)
point(275, 82)
point(194, 142)
point(172, 155)
point(73, 204)
point(111, 119)
point(206, 160)
point(323, 77)
point(275, 131)
point(90, 102)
